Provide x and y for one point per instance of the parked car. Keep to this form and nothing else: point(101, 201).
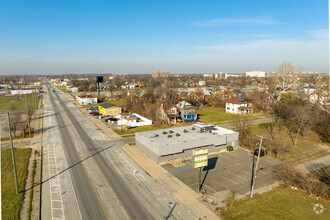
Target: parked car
point(262, 152)
point(111, 120)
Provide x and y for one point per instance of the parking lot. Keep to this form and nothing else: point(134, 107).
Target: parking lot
point(227, 171)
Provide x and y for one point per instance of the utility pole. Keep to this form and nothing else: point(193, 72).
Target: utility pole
point(254, 175)
point(200, 179)
point(13, 154)
point(28, 115)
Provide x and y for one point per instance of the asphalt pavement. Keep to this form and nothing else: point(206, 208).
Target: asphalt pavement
point(106, 183)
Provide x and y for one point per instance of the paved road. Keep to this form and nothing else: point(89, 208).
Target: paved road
point(114, 189)
point(131, 204)
point(88, 201)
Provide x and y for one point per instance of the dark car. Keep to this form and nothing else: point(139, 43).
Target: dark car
point(93, 112)
point(111, 119)
point(262, 152)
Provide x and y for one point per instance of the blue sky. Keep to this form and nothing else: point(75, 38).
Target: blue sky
point(71, 36)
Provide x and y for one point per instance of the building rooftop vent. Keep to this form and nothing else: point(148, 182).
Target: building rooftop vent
point(169, 136)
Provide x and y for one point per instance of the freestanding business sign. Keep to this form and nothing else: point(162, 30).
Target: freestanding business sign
point(200, 157)
point(200, 160)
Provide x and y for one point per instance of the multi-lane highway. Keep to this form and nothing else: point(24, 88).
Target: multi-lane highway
point(102, 184)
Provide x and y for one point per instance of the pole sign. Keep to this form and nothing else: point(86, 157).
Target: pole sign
point(200, 157)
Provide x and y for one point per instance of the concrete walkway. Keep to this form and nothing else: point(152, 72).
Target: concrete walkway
point(179, 190)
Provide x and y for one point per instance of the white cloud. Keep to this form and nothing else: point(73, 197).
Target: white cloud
point(234, 21)
point(14, 58)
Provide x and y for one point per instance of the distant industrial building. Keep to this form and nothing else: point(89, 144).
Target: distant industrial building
point(174, 143)
point(160, 74)
point(256, 74)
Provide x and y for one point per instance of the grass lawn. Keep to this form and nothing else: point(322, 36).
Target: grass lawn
point(131, 130)
point(308, 148)
point(62, 88)
point(9, 102)
point(214, 115)
point(11, 202)
point(280, 203)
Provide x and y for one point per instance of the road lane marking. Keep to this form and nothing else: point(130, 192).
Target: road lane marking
point(219, 183)
point(81, 161)
point(230, 180)
point(111, 187)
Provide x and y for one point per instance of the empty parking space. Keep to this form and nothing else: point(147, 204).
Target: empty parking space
point(227, 171)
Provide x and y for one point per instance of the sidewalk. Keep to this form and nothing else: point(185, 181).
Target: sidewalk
point(179, 190)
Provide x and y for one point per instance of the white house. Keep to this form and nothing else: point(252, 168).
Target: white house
point(72, 89)
point(86, 100)
point(201, 83)
point(237, 105)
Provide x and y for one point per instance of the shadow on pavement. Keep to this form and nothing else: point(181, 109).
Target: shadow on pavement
point(100, 151)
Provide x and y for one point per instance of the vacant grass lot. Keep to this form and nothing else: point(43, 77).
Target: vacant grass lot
point(7, 103)
point(280, 203)
point(216, 115)
point(308, 148)
point(11, 203)
point(62, 88)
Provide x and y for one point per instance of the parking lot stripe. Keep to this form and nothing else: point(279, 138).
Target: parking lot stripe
point(224, 157)
point(192, 184)
point(210, 188)
point(230, 180)
point(240, 177)
point(219, 183)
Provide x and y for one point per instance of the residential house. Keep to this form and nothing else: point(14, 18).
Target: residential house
point(263, 101)
point(108, 109)
point(168, 113)
point(238, 105)
point(187, 111)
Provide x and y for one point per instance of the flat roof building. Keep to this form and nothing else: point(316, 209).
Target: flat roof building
point(174, 143)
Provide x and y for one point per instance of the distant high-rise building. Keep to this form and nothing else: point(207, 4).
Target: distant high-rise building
point(256, 74)
point(160, 74)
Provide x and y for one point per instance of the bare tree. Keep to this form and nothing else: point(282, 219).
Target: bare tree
point(285, 78)
point(15, 122)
